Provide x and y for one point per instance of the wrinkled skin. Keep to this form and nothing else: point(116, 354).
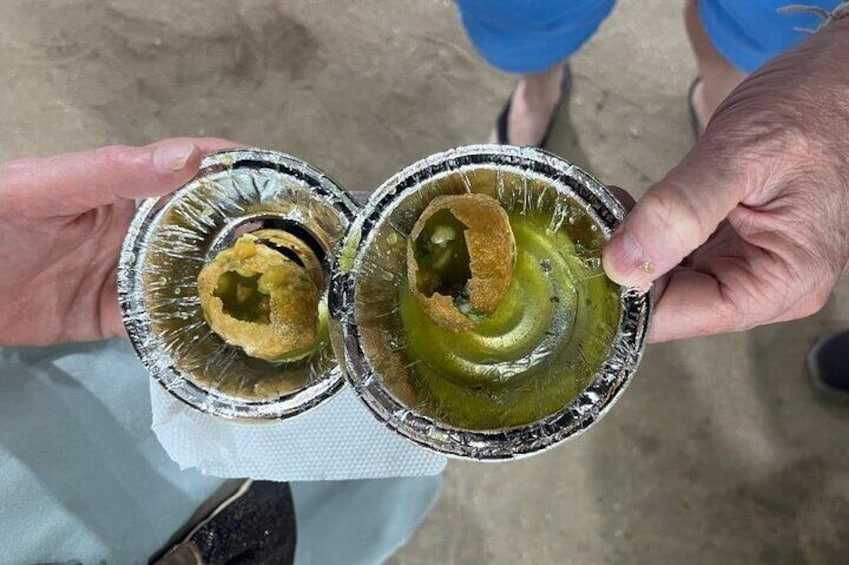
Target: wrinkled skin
point(62, 222)
point(752, 227)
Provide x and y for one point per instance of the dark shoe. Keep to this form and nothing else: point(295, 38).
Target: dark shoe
point(255, 526)
point(697, 126)
point(828, 364)
point(502, 135)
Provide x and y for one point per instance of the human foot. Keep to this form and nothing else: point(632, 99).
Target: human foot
point(717, 77)
point(528, 116)
point(704, 100)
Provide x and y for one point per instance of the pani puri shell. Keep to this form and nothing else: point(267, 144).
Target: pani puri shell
point(278, 299)
point(491, 249)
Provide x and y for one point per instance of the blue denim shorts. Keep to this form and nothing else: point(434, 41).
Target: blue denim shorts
point(521, 36)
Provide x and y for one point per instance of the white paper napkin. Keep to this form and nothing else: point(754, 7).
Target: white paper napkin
point(337, 440)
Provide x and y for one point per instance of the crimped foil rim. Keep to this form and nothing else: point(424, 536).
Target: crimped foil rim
point(158, 362)
point(508, 443)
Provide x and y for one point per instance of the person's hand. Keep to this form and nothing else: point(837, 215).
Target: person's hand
point(758, 211)
point(62, 222)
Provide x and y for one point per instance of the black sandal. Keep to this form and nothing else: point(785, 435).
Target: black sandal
point(828, 364)
point(504, 117)
point(694, 118)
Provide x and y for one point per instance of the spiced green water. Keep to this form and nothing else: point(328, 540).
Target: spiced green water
point(547, 339)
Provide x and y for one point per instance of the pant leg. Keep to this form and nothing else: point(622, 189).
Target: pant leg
point(748, 33)
point(521, 36)
point(359, 522)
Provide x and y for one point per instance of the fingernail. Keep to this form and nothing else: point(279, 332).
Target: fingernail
point(626, 262)
point(173, 157)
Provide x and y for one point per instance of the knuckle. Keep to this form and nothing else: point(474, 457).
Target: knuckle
point(111, 155)
point(761, 118)
point(758, 141)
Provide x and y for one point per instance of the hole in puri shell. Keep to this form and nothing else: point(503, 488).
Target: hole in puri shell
point(242, 299)
point(442, 256)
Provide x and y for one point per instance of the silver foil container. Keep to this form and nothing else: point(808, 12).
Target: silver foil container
point(173, 237)
point(370, 252)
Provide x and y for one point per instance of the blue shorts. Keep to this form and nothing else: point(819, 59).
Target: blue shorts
point(521, 36)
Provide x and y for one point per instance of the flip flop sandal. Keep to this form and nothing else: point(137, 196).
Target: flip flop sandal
point(828, 364)
point(694, 118)
point(502, 136)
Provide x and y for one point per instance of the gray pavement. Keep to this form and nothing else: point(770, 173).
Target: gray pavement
point(720, 452)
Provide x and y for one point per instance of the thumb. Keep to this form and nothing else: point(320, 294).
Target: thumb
point(674, 217)
point(74, 183)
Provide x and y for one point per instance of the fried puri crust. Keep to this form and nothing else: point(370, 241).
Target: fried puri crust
point(258, 299)
point(491, 255)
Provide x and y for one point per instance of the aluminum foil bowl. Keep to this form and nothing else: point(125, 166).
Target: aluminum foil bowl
point(502, 407)
point(173, 237)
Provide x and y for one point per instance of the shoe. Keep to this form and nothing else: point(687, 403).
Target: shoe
point(697, 127)
point(828, 364)
point(256, 526)
point(502, 135)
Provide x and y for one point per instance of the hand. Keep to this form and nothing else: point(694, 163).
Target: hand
point(759, 208)
point(62, 222)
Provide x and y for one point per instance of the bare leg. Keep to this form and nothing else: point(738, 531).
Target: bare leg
point(536, 94)
point(719, 78)
point(532, 105)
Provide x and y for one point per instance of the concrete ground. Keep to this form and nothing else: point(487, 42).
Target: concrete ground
point(720, 452)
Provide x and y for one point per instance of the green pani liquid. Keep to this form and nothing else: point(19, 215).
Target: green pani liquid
point(549, 336)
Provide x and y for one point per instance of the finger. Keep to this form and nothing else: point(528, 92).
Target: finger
point(691, 304)
point(675, 216)
point(724, 292)
point(74, 183)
